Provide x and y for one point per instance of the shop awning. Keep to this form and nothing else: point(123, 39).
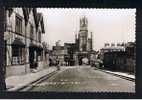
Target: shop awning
point(40, 47)
point(34, 46)
point(18, 43)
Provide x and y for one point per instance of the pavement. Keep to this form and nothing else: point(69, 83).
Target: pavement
point(14, 83)
point(124, 75)
point(84, 79)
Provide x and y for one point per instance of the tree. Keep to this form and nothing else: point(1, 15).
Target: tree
point(2, 68)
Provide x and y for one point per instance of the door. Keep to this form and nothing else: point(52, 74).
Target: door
point(31, 57)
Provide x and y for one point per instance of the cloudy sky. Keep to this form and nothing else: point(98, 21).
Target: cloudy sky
point(107, 25)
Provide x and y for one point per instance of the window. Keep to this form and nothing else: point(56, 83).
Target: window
point(32, 31)
point(84, 47)
point(18, 25)
point(39, 37)
point(17, 55)
point(84, 40)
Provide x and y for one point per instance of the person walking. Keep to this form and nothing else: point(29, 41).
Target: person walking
point(58, 64)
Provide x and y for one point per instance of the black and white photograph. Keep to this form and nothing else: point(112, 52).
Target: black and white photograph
point(70, 49)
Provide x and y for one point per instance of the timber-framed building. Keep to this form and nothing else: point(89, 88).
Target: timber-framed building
point(24, 51)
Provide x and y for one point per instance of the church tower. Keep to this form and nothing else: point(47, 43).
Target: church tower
point(90, 42)
point(83, 34)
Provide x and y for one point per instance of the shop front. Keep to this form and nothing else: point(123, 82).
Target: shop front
point(17, 57)
point(40, 57)
point(35, 56)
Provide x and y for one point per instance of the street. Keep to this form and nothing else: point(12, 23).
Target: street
point(84, 79)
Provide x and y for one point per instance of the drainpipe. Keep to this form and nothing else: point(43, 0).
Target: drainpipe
point(26, 47)
point(25, 52)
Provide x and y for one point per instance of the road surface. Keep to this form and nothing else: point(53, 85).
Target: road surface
point(84, 79)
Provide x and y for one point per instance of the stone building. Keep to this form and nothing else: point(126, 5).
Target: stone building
point(131, 56)
point(84, 42)
point(73, 53)
point(83, 46)
point(122, 57)
point(24, 28)
point(69, 57)
point(58, 52)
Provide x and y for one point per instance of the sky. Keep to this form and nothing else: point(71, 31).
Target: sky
point(107, 25)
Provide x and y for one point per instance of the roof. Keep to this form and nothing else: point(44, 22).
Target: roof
point(26, 15)
point(58, 47)
point(118, 47)
point(40, 20)
point(69, 44)
point(131, 44)
point(114, 48)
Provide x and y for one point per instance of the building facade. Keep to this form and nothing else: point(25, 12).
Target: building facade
point(122, 59)
point(84, 42)
point(24, 28)
point(58, 53)
point(73, 53)
point(69, 57)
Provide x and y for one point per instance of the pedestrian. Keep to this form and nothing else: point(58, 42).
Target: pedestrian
point(58, 64)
